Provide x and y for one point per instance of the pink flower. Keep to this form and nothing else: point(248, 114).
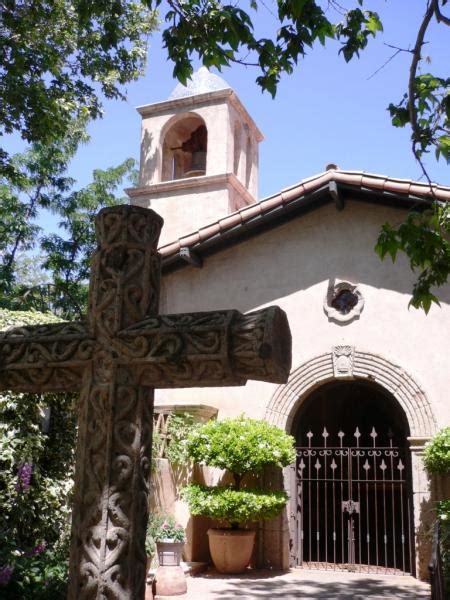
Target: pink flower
point(24, 473)
point(5, 574)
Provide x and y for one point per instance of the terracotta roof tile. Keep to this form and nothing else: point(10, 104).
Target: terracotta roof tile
point(418, 189)
point(292, 193)
point(444, 195)
point(397, 186)
point(352, 178)
point(189, 240)
point(230, 221)
point(168, 249)
point(251, 211)
point(208, 231)
point(373, 182)
point(309, 186)
point(269, 203)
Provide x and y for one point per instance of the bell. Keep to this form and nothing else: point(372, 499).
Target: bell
point(198, 164)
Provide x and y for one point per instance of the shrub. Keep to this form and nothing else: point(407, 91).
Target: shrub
point(443, 515)
point(242, 446)
point(179, 428)
point(437, 453)
point(234, 506)
point(36, 469)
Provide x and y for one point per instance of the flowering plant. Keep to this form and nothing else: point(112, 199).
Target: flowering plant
point(170, 530)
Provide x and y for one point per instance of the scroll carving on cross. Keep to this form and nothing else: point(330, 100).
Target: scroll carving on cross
point(115, 361)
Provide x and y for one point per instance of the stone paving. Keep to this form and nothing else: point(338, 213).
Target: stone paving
point(299, 583)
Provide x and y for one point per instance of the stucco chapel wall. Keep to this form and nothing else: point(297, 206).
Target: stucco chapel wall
point(292, 266)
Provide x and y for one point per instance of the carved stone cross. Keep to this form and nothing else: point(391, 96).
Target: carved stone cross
point(115, 361)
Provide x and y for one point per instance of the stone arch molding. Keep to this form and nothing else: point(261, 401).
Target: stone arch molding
point(308, 376)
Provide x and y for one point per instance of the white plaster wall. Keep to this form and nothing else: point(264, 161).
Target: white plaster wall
point(292, 266)
point(245, 131)
point(185, 211)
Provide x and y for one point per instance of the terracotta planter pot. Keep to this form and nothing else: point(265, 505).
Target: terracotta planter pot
point(231, 549)
point(169, 581)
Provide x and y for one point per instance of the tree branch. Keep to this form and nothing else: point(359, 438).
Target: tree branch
point(439, 16)
point(386, 62)
point(21, 234)
point(416, 52)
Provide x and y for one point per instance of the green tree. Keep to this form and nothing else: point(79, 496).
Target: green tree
point(63, 259)
point(68, 258)
point(42, 182)
point(58, 58)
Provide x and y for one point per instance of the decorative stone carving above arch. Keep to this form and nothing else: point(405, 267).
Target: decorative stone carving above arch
point(287, 398)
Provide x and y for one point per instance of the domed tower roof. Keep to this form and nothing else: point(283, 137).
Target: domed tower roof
point(201, 82)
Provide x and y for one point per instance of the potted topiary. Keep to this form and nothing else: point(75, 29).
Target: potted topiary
point(243, 447)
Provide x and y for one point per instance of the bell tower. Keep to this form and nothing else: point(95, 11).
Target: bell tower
point(199, 156)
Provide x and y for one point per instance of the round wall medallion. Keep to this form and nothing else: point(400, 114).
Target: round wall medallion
point(343, 302)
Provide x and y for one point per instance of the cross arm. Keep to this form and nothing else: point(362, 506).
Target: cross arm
point(219, 348)
point(42, 358)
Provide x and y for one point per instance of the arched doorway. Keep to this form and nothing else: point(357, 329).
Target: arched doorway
point(352, 482)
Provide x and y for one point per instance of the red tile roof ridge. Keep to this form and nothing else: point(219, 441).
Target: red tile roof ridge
point(288, 194)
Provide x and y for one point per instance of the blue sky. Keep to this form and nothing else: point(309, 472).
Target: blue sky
point(328, 111)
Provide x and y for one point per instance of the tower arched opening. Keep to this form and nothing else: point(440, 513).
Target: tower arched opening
point(185, 148)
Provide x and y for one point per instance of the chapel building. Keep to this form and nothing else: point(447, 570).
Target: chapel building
point(370, 377)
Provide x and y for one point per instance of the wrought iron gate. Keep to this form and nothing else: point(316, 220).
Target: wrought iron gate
point(354, 509)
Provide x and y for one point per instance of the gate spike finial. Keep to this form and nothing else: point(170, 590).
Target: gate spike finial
point(366, 465)
point(357, 433)
point(400, 465)
point(383, 465)
point(317, 465)
point(333, 464)
point(325, 433)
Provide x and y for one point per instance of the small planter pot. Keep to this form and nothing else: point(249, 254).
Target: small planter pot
point(169, 553)
point(231, 549)
point(170, 579)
